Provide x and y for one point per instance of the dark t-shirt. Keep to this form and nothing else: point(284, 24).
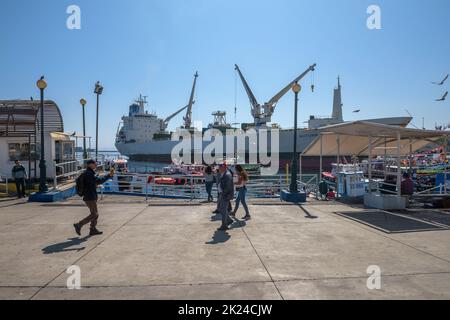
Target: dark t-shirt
point(407, 187)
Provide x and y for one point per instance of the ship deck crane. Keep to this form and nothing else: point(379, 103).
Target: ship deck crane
point(188, 118)
point(262, 114)
point(166, 121)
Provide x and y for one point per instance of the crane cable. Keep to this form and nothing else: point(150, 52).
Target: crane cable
point(313, 81)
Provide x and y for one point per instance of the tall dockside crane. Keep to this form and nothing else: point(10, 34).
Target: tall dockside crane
point(165, 122)
point(262, 114)
point(188, 118)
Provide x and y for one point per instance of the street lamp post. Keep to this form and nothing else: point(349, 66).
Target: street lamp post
point(83, 104)
point(41, 84)
point(98, 91)
point(293, 187)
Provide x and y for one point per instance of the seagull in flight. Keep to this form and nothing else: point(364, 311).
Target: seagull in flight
point(442, 82)
point(443, 97)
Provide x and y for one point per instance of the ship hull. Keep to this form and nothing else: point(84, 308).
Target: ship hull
point(160, 151)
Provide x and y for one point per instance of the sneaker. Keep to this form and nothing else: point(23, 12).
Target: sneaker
point(95, 232)
point(216, 211)
point(247, 218)
point(223, 228)
point(77, 228)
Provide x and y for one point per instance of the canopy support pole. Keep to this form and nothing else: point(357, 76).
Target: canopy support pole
point(321, 157)
point(399, 168)
point(410, 157)
point(370, 165)
point(384, 159)
point(445, 164)
point(300, 165)
point(338, 170)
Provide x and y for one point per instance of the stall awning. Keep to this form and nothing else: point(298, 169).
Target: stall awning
point(354, 137)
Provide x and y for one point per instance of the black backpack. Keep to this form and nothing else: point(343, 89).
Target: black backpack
point(79, 185)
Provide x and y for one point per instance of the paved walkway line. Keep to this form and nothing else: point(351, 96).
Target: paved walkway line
point(262, 262)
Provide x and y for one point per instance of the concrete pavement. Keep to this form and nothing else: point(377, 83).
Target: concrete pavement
point(171, 250)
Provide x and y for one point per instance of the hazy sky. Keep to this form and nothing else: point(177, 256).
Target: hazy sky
point(154, 47)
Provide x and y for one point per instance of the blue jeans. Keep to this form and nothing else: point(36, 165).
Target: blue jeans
point(223, 209)
point(209, 186)
point(242, 193)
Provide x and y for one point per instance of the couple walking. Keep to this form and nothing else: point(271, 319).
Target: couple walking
point(226, 194)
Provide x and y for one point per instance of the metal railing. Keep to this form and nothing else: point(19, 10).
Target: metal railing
point(193, 187)
point(69, 170)
point(381, 189)
point(437, 190)
point(441, 188)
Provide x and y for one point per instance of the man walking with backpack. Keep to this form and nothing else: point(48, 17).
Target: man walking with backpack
point(87, 188)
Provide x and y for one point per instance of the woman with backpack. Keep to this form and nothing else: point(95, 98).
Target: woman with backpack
point(241, 188)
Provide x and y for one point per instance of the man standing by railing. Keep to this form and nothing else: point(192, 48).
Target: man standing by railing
point(88, 183)
point(19, 174)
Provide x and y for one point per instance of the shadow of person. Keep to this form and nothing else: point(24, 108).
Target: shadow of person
point(219, 237)
point(216, 217)
point(308, 215)
point(238, 224)
point(65, 246)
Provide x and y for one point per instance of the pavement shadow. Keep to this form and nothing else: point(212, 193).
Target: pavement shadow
point(219, 237)
point(65, 246)
point(390, 222)
point(216, 217)
point(237, 224)
point(307, 214)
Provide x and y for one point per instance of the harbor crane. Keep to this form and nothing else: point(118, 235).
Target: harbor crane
point(262, 114)
point(188, 118)
point(166, 120)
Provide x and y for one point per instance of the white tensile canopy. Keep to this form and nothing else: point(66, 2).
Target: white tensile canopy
point(354, 138)
point(362, 138)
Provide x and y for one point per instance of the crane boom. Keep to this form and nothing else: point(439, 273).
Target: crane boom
point(262, 114)
point(175, 114)
point(250, 94)
point(280, 94)
point(188, 118)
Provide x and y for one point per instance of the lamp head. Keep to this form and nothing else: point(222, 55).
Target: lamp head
point(98, 88)
point(296, 88)
point(41, 83)
point(83, 102)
